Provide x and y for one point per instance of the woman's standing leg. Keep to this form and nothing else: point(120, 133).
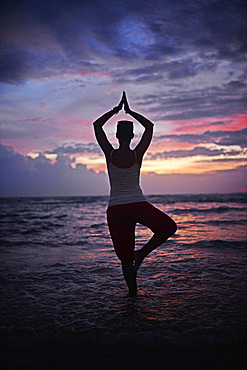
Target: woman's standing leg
point(129, 274)
point(122, 230)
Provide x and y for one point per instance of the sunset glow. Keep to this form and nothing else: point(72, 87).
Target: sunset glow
point(185, 73)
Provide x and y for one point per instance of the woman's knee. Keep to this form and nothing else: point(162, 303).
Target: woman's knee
point(173, 227)
point(167, 229)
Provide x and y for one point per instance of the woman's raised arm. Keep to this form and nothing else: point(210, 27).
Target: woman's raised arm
point(100, 133)
point(148, 133)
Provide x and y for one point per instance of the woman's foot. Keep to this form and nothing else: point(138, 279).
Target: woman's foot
point(153, 243)
point(138, 260)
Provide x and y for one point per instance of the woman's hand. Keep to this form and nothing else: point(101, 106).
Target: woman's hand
point(119, 106)
point(125, 102)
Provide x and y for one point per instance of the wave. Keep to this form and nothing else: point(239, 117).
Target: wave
point(236, 222)
point(199, 198)
point(166, 198)
point(60, 200)
point(95, 226)
point(216, 243)
point(222, 209)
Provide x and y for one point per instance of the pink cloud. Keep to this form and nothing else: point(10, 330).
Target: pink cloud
point(42, 106)
point(68, 120)
point(88, 74)
point(74, 122)
point(23, 146)
point(112, 90)
point(200, 125)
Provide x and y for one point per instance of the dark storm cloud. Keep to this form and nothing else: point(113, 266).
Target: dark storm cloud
point(66, 35)
point(238, 137)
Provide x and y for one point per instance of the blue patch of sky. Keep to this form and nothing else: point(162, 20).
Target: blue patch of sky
point(134, 35)
point(97, 46)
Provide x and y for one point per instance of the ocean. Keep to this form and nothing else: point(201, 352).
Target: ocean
point(62, 285)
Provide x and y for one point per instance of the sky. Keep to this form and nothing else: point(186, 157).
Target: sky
point(63, 64)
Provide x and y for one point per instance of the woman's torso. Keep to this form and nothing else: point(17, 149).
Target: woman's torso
point(124, 176)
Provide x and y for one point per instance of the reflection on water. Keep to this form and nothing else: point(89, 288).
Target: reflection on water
point(61, 278)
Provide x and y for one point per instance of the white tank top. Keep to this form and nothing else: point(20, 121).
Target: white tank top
point(125, 187)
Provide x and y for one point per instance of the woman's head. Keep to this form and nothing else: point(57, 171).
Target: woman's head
point(125, 130)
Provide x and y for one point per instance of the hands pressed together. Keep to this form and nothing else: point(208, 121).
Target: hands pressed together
point(122, 103)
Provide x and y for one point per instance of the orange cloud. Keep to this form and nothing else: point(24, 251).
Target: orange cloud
point(192, 165)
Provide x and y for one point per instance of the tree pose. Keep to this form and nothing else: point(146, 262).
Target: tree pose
point(127, 205)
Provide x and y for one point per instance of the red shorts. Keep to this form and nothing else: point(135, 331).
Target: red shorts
point(123, 218)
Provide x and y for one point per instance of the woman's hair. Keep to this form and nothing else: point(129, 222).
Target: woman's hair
point(125, 130)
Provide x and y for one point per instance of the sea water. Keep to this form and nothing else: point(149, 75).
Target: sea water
point(61, 280)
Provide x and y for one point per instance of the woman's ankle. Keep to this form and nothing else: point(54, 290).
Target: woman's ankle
point(132, 293)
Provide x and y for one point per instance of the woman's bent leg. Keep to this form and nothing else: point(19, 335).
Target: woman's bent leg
point(162, 226)
point(153, 243)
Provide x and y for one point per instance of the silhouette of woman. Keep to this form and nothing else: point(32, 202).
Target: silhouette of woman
point(127, 205)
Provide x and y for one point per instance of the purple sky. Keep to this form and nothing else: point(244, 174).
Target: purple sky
point(64, 63)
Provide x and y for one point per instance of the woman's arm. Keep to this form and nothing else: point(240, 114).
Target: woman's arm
point(148, 133)
point(100, 133)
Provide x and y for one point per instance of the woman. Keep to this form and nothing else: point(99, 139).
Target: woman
point(127, 204)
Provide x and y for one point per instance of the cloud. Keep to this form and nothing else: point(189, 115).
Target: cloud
point(13, 65)
point(76, 148)
point(24, 176)
point(197, 151)
point(66, 35)
point(226, 181)
point(183, 103)
point(237, 137)
point(170, 70)
point(62, 63)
